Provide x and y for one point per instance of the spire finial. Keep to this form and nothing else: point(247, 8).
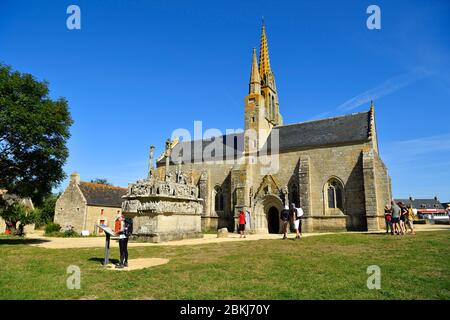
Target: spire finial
point(264, 62)
point(255, 79)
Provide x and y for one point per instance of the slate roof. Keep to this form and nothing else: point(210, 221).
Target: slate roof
point(343, 129)
point(349, 128)
point(102, 195)
point(423, 203)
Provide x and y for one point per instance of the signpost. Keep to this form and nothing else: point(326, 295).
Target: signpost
point(108, 233)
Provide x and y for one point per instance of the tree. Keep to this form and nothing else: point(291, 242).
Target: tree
point(17, 216)
point(102, 181)
point(33, 134)
point(46, 211)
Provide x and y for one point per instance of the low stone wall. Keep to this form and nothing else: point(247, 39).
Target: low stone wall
point(329, 223)
point(162, 237)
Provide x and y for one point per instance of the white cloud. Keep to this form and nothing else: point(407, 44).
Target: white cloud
point(387, 87)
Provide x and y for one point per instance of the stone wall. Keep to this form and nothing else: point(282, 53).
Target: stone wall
point(71, 208)
point(312, 168)
point(316, 167)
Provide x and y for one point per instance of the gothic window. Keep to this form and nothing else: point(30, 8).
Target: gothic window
point(272, 107)
point(334, 192)
point(218, 199)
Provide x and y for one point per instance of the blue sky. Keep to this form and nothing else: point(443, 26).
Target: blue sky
point(137, 70)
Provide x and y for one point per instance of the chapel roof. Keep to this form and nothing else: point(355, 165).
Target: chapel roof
point(346, 129)
point(97, 194)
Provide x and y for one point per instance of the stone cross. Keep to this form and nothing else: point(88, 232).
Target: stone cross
point(150, 162)
point(167, 156)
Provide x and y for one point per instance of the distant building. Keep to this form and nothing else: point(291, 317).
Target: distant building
point(427, 208)
point(446, 205)
point(13, 198)
point(82, 205)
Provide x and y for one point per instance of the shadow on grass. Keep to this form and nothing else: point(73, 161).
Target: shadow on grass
point(101, 260)
point(12, 241)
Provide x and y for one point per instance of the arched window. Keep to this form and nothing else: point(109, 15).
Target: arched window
point(272, 108)
point(335, 194)
point(218, 199)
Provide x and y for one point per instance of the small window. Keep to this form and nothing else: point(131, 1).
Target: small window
point(335, 194)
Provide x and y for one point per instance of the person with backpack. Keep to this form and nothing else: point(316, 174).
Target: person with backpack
point(285, 217)
point(126, 229)
point(297, 214)
point(403, 215)
point(395, 210)
point(387, 219)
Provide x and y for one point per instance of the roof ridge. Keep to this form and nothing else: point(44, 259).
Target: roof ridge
point(324, 119)
point(103, 185)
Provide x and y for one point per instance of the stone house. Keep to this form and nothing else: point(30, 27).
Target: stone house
point(329, 167)
point(82, 205)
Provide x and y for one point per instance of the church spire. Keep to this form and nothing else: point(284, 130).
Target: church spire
point(255, 79)
point(264, 62)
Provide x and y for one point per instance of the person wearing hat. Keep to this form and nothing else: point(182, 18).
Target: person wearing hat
point(285, 216)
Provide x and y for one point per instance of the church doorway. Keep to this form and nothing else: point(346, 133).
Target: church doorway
point(273, 220)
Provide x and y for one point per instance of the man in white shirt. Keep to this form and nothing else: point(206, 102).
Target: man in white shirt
point(247, 220)
point(297, 214)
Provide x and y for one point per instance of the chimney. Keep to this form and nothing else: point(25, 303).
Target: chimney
point(75, 178)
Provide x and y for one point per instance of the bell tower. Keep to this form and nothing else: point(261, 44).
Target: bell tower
point(262, 111)
point(268, 86)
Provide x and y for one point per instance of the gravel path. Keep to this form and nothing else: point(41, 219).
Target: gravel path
point(93, 242)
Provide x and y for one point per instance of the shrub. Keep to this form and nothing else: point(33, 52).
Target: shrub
point(52, 228)
point(70, 233)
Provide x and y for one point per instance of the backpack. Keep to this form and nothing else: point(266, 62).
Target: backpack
point(299, 213)
point(128, 226)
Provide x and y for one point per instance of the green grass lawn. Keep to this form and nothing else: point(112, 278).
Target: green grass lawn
point(322, 267)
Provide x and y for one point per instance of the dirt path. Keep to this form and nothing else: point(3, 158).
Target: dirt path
point(92, 242)
point(142, 263)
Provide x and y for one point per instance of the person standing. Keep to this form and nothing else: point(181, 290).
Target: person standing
point(411, 219)
point(297, 214)
point(403, 215)
point(387, 219)
point(285, 217)
point(242, 224)
point(247, 220)
point(395, 217)
point(123, 242)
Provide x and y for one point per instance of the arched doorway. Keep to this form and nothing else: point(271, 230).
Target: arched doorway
point(273, 220)
point(267, 214)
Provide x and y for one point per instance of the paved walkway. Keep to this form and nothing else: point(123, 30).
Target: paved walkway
point(93, 242)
